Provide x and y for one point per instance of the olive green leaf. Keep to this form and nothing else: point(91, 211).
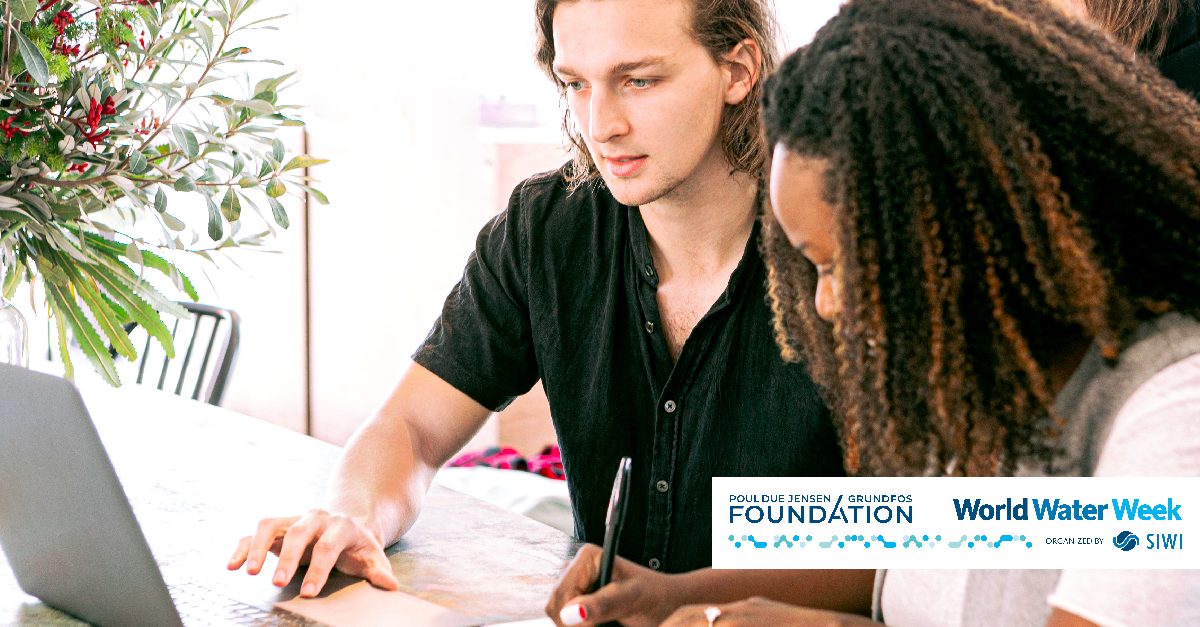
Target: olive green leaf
point(216, 229)
point(231, 207)
point(23, 10)
point(302, 161)
point(65, 307)
point(34, 61)
point(280, 214)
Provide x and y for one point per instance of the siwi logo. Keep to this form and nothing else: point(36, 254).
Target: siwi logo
point(1125, 541)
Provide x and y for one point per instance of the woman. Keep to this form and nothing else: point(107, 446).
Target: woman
point(1010, 283)
point(986, 249)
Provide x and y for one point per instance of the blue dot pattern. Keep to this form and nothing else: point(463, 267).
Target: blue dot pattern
point(908, 541)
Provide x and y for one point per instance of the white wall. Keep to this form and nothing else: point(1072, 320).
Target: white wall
point(800, 19)
point(398, 113)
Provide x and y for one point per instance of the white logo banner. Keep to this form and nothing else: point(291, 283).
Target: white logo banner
point(993, 522)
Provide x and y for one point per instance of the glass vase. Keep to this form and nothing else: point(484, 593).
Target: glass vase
point(14, 336)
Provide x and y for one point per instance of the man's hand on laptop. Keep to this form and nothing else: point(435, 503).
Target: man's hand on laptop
point(324, 541)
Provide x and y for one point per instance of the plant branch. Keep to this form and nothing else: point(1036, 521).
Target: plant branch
point(92, 54)
point(159, 247)
point(165, 51)
point(77, 183)
point(7, 44)
point(212, 62)
point(191, 91)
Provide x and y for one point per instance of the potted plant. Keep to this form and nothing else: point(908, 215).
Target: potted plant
point(113, 114)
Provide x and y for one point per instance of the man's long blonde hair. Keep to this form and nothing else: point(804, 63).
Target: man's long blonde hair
point(1141, 24)
point(719, 26)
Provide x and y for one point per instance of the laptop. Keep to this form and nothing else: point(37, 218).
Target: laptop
point(68, 530)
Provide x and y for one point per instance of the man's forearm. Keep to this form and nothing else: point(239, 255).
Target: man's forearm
point(390, 461)
point(381, 479)
point(839, 590)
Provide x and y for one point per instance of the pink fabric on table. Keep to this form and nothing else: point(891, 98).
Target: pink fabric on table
point(548, 463)
point(493, 457)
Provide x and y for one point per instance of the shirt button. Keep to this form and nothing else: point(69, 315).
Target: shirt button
point(662, 486)
point(669, 406)
point(649, 271)
point(654, 563)
point(649, 327)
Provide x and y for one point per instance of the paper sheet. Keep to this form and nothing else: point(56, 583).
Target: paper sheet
point(363, 605)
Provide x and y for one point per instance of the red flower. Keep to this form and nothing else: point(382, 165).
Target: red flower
point(95, 111)
point(78, 167)
point(148, 125)
point(63, 48)
point(94, 138)
point(9, 130)
point(62, 19)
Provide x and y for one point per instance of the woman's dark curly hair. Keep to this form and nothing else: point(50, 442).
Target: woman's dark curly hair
point(1004, 178)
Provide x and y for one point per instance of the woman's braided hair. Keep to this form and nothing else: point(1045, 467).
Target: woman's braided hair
point(1004, 178)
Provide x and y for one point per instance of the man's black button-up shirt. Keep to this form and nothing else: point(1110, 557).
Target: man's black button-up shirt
point(561, 287)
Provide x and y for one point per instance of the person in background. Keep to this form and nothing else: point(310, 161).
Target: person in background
point(1166, 31)
point(629, 282)
point(986, 218)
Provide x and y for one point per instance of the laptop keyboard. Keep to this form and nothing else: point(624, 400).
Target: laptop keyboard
point(201, 606)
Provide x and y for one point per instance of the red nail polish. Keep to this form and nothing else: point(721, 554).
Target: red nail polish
point(582, 612)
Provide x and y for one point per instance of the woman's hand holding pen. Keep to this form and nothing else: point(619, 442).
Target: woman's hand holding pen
point(760, 611)
point(637, 595)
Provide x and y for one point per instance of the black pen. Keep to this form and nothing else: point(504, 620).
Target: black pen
point(614, 521)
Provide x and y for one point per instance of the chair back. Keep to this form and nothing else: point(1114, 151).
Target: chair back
point(205, 351)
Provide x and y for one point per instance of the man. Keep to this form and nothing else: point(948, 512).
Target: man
point(629, 282)
point(1166, 32)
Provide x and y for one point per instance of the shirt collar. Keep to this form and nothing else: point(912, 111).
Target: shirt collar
point(639, 244)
